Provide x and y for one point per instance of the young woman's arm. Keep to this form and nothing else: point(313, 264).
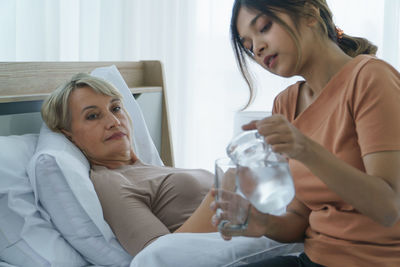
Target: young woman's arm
point(375, 193)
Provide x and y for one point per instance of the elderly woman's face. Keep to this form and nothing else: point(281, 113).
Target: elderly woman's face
point(99, 127)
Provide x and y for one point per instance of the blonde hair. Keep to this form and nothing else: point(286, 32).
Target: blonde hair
point(55, 110)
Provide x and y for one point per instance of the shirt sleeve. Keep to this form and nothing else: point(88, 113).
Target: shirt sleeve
point(129, 217)
point(376, 107)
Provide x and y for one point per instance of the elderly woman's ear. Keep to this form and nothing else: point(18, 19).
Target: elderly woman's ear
point(67, 134)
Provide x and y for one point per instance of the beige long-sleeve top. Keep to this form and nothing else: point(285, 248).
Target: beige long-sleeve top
point(141, 202)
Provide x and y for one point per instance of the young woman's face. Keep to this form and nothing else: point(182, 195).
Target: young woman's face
point(272, 46)
point(99, 126)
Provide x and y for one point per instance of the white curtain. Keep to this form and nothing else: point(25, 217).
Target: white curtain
point(191, 38)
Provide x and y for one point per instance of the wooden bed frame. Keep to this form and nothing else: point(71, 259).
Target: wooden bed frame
point(24, 85)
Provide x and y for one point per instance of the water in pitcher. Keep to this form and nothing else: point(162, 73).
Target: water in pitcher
point(263, 177)
point(269, 188)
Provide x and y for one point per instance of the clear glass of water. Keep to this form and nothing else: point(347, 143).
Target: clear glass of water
point(263, 177)
point(236, 208)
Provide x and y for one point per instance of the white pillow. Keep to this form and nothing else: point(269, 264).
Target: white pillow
point(26, 239)
point(3, 264)
point(74, 208)
point(143, 144)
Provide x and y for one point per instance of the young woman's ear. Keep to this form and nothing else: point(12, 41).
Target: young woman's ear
point(314, 14)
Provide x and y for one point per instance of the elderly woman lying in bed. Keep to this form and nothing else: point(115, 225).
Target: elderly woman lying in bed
point(140, 202)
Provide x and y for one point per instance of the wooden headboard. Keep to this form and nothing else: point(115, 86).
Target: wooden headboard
point(23, 85)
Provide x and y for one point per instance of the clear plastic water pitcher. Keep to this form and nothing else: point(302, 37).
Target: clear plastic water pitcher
point(263, 176)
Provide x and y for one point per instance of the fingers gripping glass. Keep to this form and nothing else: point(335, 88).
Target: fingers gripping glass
point(234, 208)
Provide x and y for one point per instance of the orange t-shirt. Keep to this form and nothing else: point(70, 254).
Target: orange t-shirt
point(357, 113)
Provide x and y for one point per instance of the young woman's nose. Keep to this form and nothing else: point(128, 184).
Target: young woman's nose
point(258, 47)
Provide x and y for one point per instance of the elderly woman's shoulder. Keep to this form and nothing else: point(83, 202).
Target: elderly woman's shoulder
point(106, 177)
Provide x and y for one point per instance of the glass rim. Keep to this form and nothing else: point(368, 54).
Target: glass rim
point(225, 158)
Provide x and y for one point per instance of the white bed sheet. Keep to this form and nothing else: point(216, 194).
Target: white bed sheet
point(206, 250)
point(210, 250)
point(4, 264)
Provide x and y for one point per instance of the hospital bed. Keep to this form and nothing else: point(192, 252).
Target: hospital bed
point(51, 216)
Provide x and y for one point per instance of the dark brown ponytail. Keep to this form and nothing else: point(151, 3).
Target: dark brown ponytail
point(354, 46)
